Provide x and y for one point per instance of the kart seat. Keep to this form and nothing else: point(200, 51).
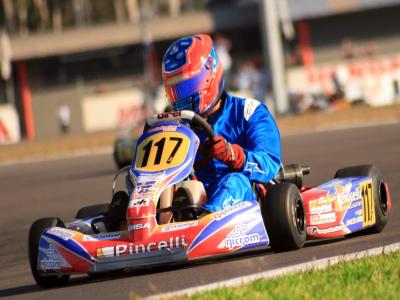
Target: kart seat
point(198, 192)
point(184, 203)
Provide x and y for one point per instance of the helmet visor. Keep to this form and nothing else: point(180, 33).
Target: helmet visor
point(189, 87)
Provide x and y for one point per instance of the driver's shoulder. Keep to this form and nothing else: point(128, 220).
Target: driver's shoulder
point(245, 107)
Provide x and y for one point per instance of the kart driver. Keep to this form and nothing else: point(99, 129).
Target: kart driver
point(246, 147)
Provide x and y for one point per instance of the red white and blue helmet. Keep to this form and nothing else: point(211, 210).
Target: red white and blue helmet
point(192, 74)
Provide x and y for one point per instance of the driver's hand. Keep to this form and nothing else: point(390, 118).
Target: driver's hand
point(230, 154)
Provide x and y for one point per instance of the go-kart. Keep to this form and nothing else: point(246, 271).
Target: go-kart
point(128, 233)
point(123, 149)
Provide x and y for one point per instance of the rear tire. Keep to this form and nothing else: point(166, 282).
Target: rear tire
point(284, 217)
point(92, 210)
point(380, 192)
point(35, 233)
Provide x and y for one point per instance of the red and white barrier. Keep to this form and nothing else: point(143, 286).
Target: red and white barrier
point(374, 79)
point(9, 125)
point(112, 110)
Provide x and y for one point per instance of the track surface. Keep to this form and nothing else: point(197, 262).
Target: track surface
point(60, 187)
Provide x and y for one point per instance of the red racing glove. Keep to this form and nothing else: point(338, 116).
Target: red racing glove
point(230, 154)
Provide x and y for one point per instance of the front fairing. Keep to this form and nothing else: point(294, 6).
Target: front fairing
point(165, 151)
point(230, 230)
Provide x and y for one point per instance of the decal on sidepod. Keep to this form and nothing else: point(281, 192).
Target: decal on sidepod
point(246, 235)
point(71, 245)
point(222, 219)
point(49, 258)
point(345, 195)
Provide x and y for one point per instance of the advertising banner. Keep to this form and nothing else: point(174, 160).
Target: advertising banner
point(9, 125)
point(112, 110)
point(375, 80)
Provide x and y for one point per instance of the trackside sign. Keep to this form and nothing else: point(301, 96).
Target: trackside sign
point(112, 110)
point(9, 125)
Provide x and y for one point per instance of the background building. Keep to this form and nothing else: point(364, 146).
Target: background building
point(95, 64)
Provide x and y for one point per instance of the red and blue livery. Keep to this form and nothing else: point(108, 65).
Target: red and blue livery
point(285, 215)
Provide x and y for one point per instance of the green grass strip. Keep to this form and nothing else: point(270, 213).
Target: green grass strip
point(369, 278)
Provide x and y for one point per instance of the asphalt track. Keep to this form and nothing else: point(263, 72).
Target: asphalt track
point(60, 187)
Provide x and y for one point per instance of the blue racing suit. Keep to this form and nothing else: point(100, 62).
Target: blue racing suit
point(248, 123)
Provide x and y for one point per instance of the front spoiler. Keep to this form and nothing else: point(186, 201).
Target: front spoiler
point(152, 258)
point(65, 251)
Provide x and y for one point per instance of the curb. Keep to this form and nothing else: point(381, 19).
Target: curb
point(311, 265)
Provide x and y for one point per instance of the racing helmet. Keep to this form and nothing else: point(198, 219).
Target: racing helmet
point(192, 74)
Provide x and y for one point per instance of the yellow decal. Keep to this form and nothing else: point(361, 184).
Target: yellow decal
point(368, 203)
point(162, 151)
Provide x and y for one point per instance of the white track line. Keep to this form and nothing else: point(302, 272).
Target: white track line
point(343, 126)
point(312, 265)
point(50, 157)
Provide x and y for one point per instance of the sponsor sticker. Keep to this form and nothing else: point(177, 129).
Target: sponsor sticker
point(355, 204)
point(163, 128)
point(250, 106)
point(139, 202)
point(63, 234)
point(230, 210)
point(166, 115)
point(348, 197)
point(138, 226)
point(50, 264)
point(317, 208)
point(101, 236)
point(146, 187)
point(322, 218)
point(151, 177)
point(129, 249)
point(353, 221)
point(175, 227)
point(312, 230)
point(177, 79)
point(359, 212)
point(238, 237)
point(53, 260)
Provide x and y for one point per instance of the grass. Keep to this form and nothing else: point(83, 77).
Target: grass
point(370, 278)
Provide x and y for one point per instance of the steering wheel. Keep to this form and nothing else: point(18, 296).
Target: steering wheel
point(202, 124)
point(183, 115)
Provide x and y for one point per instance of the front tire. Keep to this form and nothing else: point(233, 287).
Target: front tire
point(284, 217)
point(35, 233)
point(379, 188)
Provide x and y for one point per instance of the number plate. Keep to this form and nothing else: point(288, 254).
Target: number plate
point(368, 204)
point(162, 151)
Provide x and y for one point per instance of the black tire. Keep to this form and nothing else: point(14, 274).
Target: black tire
point(284, 217)
point(92, 210)
point(35, 232)
point(379, 188)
